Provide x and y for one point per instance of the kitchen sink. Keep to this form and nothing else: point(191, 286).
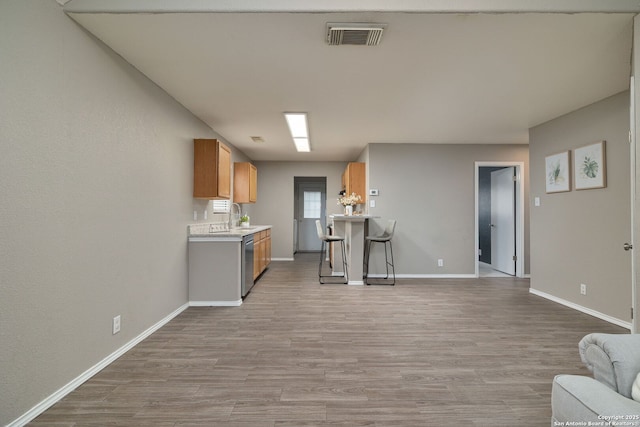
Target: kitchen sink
point(241, 229)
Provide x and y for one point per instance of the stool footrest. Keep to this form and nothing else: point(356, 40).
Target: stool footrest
point(344, 275)
point(387, 279)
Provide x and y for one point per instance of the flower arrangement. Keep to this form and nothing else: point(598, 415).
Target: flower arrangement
point(350, 200)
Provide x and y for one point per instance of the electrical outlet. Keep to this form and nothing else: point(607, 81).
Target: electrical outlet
point(440, 263)
point(116, 324)
point(583, 289)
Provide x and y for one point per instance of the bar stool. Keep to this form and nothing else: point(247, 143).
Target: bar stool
point(384, 238)
point(331, 239)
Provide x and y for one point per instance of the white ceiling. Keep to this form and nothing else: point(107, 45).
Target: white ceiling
point(435, 77)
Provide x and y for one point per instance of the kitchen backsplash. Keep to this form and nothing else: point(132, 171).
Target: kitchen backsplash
point(199, 208)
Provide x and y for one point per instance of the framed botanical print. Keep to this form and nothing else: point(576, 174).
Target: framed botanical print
point(589, 166)
point(557, 174)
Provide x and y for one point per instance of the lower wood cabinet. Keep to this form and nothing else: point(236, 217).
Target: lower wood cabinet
point(261, 252)
point(257, 256)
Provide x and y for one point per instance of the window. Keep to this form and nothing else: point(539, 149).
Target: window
point(312, 204)
point(221, 206)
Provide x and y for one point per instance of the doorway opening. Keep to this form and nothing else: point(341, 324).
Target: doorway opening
point(310, 204)
point(499, 219)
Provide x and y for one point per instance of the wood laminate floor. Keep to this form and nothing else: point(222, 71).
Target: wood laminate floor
point(480, 352)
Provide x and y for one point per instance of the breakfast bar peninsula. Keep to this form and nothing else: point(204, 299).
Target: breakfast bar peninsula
point(354, 228)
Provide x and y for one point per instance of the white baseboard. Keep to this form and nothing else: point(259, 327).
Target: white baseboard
point(86, 375)
point(430, 276)
point(582, 309)
point(436, 276)
point(215, 303)
point(282, 259)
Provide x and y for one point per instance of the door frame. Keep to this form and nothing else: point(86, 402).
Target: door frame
point(519, 219)
point(635, 203)
point(316, 182)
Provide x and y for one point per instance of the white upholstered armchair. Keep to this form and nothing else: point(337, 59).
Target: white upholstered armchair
point(614, 360)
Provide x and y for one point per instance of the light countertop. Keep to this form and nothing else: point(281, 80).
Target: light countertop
point(354, 217)
point(201, 231)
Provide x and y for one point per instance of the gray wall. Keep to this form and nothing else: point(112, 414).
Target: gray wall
point(429, 189)
point(435, 215)
point(95, 188)
point(578, 235)
point(276, 197)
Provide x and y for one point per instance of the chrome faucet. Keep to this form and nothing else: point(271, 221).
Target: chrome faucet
point(231, 213)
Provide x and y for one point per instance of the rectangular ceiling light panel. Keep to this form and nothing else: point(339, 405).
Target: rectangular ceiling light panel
point(302, 144)
point(299, 129)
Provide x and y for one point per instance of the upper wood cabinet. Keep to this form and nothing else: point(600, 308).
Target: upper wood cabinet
point(211, 169)
point(353, 179)
point(245, 183)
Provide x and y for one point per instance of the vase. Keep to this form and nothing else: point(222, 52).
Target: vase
point(348, 210)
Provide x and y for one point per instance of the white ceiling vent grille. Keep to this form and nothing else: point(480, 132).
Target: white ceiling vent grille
point(354, 34)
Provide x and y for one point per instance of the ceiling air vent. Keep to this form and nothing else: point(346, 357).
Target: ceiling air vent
point(354, 34)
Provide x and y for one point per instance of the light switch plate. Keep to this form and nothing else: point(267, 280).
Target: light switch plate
point(536, 201)
point(116, 324)
point(372, 203)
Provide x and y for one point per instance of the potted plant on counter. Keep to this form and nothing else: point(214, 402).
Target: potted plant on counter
point(244, 220)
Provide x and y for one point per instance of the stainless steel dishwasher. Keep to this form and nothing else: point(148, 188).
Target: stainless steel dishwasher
point(246, 276)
